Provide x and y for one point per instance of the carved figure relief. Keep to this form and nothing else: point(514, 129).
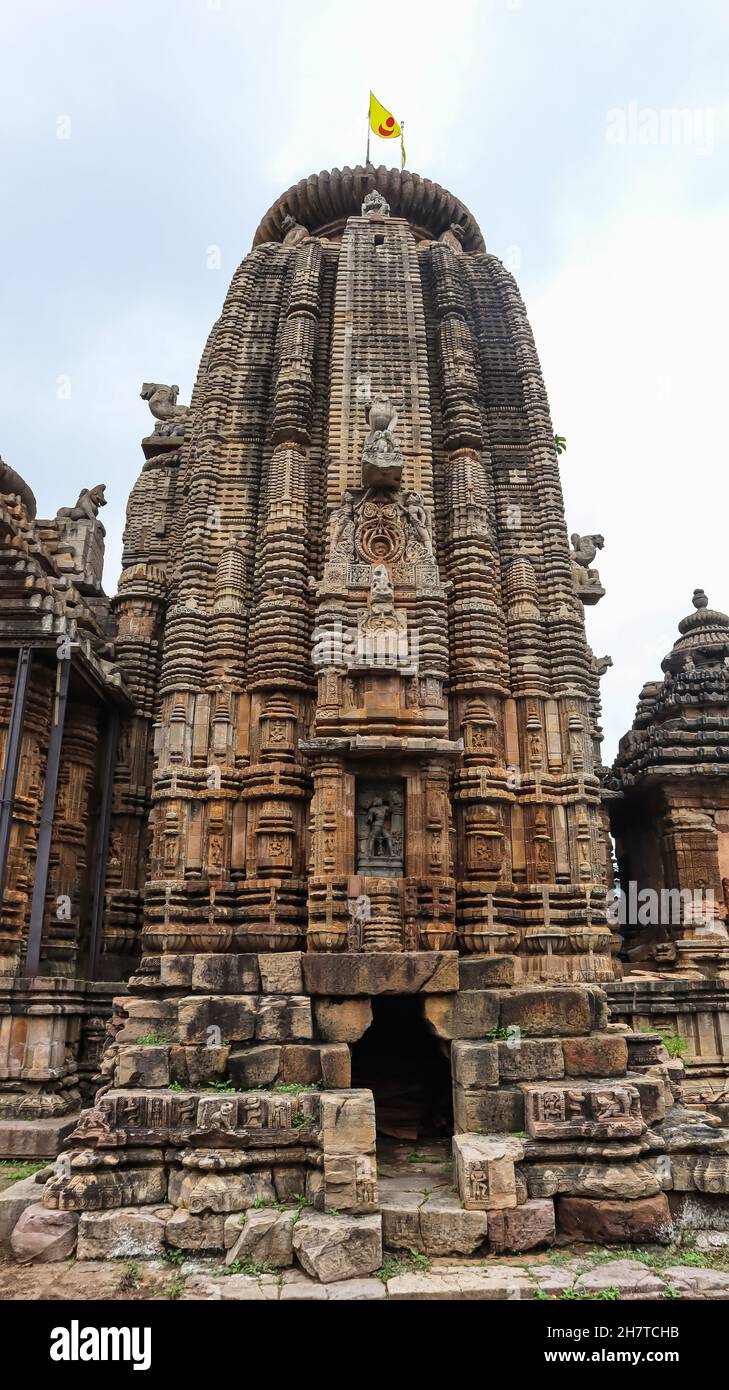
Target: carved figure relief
point(380, 828)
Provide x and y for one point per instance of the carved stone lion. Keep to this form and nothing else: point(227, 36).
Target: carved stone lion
point(162, 401)
point(87, 507)
point(452, 237)
point(585, 548)
point(292, 232)
point(375, 203)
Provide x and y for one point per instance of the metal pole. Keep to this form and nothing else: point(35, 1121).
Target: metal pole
point(12, 757)
point(369, 110)
point(101, 849)
point(45, 832)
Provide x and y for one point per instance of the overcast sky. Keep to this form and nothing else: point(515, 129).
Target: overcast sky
point(588, 137)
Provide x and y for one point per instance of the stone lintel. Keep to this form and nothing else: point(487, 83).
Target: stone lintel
point(347, 973)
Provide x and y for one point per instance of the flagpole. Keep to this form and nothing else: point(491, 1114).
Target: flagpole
point(368, 131)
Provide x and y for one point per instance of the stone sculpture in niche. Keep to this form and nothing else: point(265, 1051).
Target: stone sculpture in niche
point(380, 828)
point(379, 839)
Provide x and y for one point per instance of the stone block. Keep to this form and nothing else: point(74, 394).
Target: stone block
point(347, 1122)
point(301, 1064)
point(342, 1020)
point(331, 1248)
point(114, 1187)
point(620, 1180)
point(700, 1172)
point(525, 1227)
point(455, 1285)
point(142, 1066)
point(217, 1020)
point(205, 1064)
point(550, 1011)
point(336, 1067)
point(146, 1016)
point(186, 1230)
point(31, 1139)
point(308, 1064)
point(602, 1054)
point(281, 972)
point(609, 1221)
point(350, 1182)
point(289, 1181)
point(475, 1065)
point(256, 1066)
point(435, 1225)
point(645, 1049)
point(349, 973)
point(488, 1112)
point(485, 1170)
point(400, 1213)
point(471, 1014)
point(697, 1283)
point(631, 1279)
point(266, 1238)
point(652, 1093)
point(530, 1059)
point(282, 1017)
point(225, 974)
point(698, 1211)
point(484, 972)
point(44, 1236)
point(127, 1233)
point(175, 971)
point(447, 1228)
point(225, 1192)
point(13, 1201)
point(582, 1109)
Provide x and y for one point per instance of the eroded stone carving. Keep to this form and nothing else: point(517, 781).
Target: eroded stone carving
point(381, 458)
point(292, 232)
point(376, 203)
point(162, 401)
point(586, 580)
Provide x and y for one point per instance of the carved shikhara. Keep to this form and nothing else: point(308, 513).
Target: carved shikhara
point(358, 745)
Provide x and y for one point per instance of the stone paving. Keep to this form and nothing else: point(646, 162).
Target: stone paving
point(607, 1274)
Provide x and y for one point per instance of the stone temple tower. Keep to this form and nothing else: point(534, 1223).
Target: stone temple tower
point(374, 891)
point(377, 704)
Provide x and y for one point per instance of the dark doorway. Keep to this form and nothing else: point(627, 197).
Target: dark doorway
point(401, 1062)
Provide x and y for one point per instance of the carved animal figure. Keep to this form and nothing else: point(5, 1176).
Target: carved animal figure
point(381, 416)
point(162, 401)
point(452, 237)
point(375, 203)
point(585, 548)
point(87, 507)
point(292, 232)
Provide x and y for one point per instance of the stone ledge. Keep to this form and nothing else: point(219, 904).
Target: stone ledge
point(35, 1138)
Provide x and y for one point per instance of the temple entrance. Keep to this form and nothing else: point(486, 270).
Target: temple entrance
point(400, 1061)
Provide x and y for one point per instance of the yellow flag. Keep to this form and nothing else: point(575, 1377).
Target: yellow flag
point(381, 121)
